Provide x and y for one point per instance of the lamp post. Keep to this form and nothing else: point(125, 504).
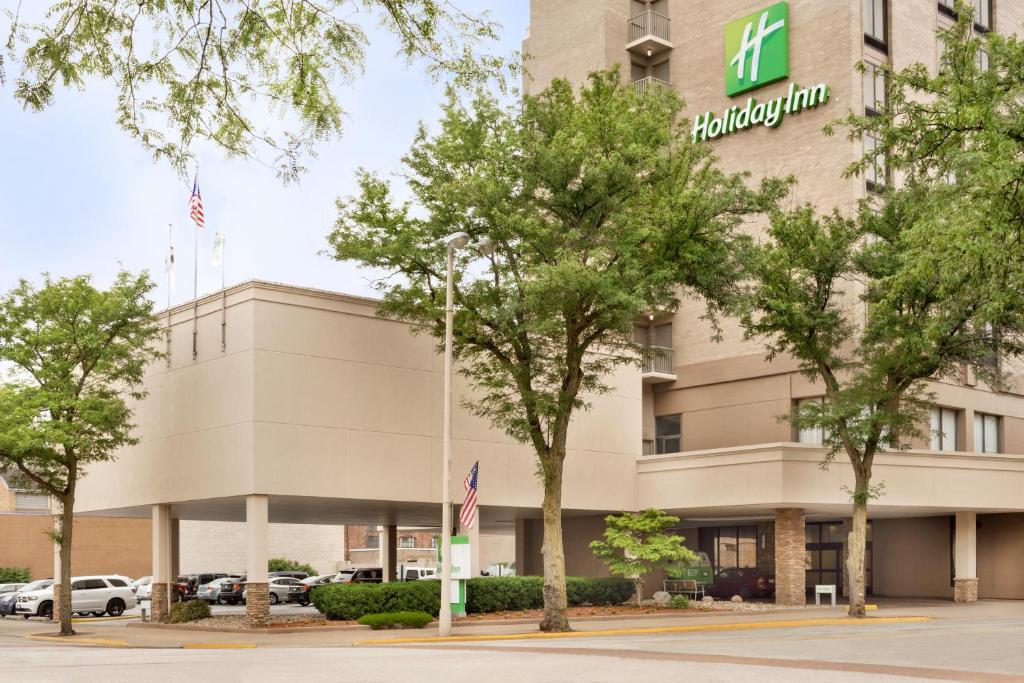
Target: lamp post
point(457, 240)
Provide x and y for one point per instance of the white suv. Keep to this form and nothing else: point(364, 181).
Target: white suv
point(95, 595)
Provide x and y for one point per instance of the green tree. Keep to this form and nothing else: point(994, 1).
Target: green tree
point(279, 564)
point(76, 353)
point(636, 543)
point(600, 210)
point(187, 70)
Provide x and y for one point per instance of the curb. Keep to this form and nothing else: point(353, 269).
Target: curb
point(77, 640)
point(748, 626)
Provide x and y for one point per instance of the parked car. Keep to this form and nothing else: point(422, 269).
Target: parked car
point(187, 585)
point(144, 591)
point(95, 595)
point(9, 600)
point(210, 592)
point(282, 589)
point(294, 575)
point(745, 582)
point(418, 573)
point(233, 592)
point(366, 575)
point(11, 587)
point(309, 584)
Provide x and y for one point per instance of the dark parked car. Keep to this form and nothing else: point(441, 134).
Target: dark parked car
point(188, 584)
point(309, 584)
point(368, 575)
point(231, 592)
point(745, 582)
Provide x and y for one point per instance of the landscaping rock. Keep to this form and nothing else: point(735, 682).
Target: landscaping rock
point(736, 598)
point(707, 599)
point(662, 599)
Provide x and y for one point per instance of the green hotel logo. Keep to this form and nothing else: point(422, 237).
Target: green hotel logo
point(757, 49)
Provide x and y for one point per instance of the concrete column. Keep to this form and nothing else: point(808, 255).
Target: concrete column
point(175, 548)
point(473, 533)
point(257, 597)
point(162, 577)
point(389, 552)
point(965, 555)
point(520, 531)
point(790, 557)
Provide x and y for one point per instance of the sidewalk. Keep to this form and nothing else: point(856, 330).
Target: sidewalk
point(141, 637)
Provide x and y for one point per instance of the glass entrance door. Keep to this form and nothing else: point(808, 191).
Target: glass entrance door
point(824, 566)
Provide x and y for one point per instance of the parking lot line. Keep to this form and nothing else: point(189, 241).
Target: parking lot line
point(743, 626)
point(218, 646)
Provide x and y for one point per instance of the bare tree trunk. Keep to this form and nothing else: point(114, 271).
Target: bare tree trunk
point(67, 520)
point(857, 545)
point(555, 602)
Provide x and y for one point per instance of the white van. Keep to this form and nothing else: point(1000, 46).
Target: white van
point(419, 573)
point(95, 595)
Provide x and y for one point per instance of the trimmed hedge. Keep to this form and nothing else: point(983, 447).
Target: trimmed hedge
point(680, 602)
point(193, 610)
point(15, 575)
point(349, 602)
point(396, 620)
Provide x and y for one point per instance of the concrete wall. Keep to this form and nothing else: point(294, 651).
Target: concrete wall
point(911, 557)
point(100, 545)
point(221, 546)
point(1001, 556)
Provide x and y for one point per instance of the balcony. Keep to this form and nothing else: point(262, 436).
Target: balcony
point(658, 366)
point(648, 34)
point(650, 82)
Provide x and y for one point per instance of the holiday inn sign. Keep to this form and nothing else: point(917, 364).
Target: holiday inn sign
point(756, 54)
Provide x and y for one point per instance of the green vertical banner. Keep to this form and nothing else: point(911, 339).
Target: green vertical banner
point(460, 572)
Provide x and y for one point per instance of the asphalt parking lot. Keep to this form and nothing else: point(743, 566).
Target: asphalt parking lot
point(136, 613)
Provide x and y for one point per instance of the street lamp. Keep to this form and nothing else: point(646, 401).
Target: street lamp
point(457, 240)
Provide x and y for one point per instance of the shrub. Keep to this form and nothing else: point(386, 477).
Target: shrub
point(282, 565)
point(680, 602)
point(502, 593)
point(193, 610)
point(15, 575)
point(396, 620)
point(348, 602)
point(612, 590)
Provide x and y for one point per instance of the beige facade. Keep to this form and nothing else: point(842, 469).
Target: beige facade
point(315, 411)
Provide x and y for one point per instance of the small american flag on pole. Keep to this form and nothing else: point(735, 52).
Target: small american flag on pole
point(195, 205)
point(467, 515)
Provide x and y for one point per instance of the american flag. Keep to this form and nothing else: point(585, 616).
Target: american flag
point(195, 205)
point(467, 515)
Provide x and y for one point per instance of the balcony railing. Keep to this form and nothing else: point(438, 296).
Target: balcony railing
point(645, 84)
point(648, 24)
point(658, 359)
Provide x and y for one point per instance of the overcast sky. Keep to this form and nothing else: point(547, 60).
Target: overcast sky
point(79, 196)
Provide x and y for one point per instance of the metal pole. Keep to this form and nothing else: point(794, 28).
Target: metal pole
point(445, 617)
point(170, 274)
point(223, 292)
point(195, 294)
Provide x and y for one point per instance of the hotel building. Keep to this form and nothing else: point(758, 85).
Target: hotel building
point(316, 411)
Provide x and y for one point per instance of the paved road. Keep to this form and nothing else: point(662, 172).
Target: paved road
point(989, 648)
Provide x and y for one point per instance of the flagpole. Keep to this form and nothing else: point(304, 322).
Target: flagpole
point(195, 280)
point(223, 292)
point(169, 268)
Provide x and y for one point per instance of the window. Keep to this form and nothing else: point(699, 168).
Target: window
point(981, 59)
point(948, 7)
point(668, 434)
point(986, 433)
point(945, 429)
point(372, 541)
point(874, 89)
point(117, 583)
point(875, 28)
point(31, 502)
point(729, 547)
point(877, 174)
point(433, 541)
point(983, 15)
point(810, 435)
point(87, 584)
point(407, 542)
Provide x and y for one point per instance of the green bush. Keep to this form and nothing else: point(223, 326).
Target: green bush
point(396, 620)
point(680, 602)
point(279, 564)
point(15, 575)
point(193, 610)
point(349, 602)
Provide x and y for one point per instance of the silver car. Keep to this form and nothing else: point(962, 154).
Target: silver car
point(210, 592)
point(283, 589)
